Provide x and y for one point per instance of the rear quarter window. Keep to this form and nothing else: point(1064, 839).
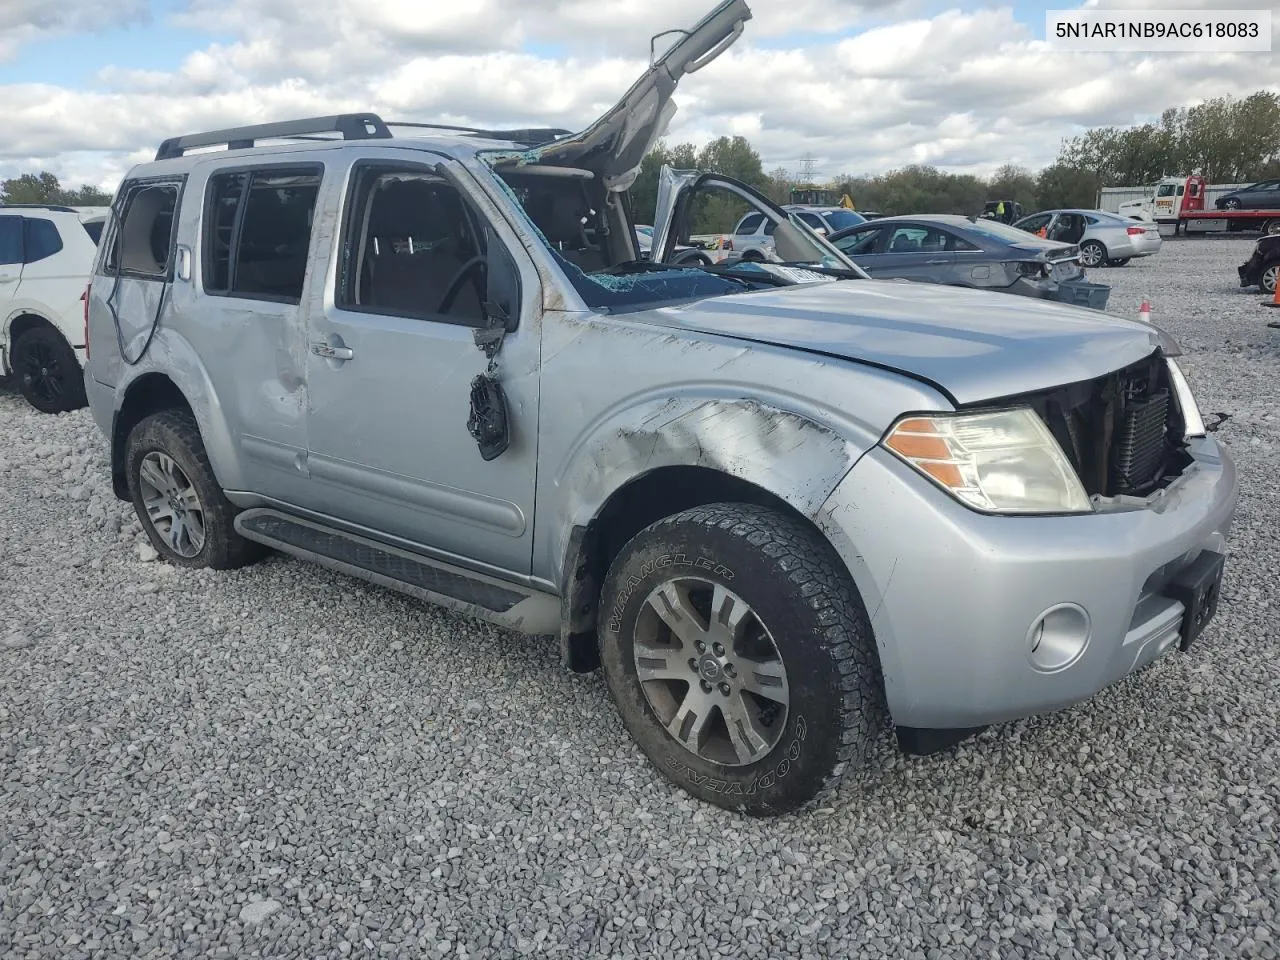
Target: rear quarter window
point(94, 230)
point(40, 239)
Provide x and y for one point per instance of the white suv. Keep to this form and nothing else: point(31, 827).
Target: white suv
point(46, 253)
point(753, 236)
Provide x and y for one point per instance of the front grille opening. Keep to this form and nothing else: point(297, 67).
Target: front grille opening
point(1122, 432)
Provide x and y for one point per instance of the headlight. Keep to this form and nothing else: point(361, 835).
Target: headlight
point(1005, 461)
point(1191, 418)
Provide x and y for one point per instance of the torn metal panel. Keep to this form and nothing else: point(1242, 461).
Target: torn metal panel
point(632, 398)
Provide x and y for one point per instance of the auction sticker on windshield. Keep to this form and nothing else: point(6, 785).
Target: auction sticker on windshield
point(1159, 31)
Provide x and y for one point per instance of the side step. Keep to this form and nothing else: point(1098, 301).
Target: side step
point(463, 591)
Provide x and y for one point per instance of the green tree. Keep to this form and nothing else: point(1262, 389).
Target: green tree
point(1012, 182)
point(43, 187)
point(1061, 185)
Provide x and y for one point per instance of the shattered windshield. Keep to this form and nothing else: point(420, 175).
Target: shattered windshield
point(568, 211)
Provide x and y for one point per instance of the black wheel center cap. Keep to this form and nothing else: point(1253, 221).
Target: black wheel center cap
point(710, 669)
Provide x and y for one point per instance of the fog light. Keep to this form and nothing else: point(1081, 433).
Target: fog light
point(1058, 637)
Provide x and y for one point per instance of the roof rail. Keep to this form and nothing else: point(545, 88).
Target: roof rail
point(59, 207)
point(352, 126)
point(525, 135)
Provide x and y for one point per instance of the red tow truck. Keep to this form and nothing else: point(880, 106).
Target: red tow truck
point(1180, 201)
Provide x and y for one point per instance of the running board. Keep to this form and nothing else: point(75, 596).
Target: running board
point(463, 591)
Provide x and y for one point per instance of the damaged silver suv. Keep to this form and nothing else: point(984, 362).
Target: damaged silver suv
point(773, 502)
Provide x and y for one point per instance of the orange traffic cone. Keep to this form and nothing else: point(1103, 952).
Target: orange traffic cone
point(1275, 301)
point(1144, 312)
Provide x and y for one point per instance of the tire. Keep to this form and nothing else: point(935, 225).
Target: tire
point(1231, 204)
point(47, 371)
point(753, 256)
point(1271, 228)
point(787, 578)
point(1268, 278)
point(172, 436)
point(693, 258)
point(1118, 263)
point(1092, 253)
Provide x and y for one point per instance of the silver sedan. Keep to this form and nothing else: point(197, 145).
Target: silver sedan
point(1105, 239)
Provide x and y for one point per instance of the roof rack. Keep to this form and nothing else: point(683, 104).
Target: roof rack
point(525, 135)
point(352, 126)
point(59, 207)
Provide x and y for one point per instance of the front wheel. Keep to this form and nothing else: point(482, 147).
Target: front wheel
point(740, 656)
point(47, 370)
point(1092, 253)
point(1231, 204)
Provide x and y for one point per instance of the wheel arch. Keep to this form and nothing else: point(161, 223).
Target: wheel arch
point(652, 496)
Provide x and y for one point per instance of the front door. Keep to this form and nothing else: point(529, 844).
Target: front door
point(396, 378)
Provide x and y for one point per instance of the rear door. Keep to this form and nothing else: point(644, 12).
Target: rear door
point(914, 251)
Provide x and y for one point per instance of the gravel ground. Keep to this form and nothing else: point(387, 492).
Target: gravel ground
point(280, 762)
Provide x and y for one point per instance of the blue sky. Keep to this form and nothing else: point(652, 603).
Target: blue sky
point(859, 86)
point(158, 45)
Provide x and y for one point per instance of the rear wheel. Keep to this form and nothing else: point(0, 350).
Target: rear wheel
point(740, 656)
point(182, 508)
point(1270, 275)
point(1092, 253)
point(1231, 203)
point(47, 370)
point(1272, 227)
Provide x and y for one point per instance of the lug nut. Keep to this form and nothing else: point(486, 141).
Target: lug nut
point(706, 687)
point(724, 688)
point(693, 665)
point(702, 647)
point(719, 649)
point(730, 671)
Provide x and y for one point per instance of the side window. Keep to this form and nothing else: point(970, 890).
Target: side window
point(862, 243)
point(813, 221)
point(143, 241)
point(258, 232)
point(961, 245)
point(414, 247)
point(917, 240)
point(94, 229)
point(10, 240)
point(750, 224)
point(1034, 224)
point(40, 239)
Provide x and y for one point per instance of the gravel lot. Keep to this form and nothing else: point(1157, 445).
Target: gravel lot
point(281, 762)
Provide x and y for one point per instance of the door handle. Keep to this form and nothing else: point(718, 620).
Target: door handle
point(330, 352)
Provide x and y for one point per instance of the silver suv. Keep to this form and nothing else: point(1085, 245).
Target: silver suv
point(774, 502)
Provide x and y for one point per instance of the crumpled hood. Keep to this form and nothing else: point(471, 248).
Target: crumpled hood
point(976, 345)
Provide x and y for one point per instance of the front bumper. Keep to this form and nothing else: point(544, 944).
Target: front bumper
point(953, 594)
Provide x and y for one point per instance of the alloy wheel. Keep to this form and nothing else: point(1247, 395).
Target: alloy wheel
point(42, 372)
point(173, 505)
point(711, 671)
point(1269, 278)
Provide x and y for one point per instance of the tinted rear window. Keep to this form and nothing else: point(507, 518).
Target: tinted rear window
point(40, 239)
point(94, 230)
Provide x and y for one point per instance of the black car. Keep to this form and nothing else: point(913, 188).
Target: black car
point(969, 252)
point(1263, 268)
point(1263, 195)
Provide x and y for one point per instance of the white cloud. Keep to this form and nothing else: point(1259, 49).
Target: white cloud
point(963, 90)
